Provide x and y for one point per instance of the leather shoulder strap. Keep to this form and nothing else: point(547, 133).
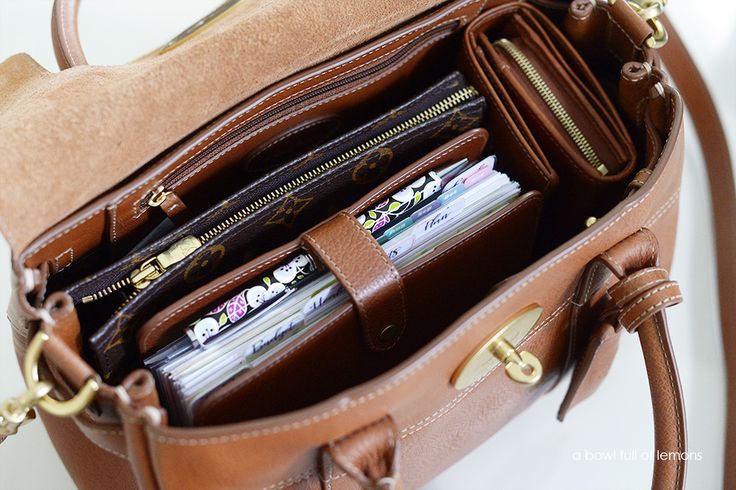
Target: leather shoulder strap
point(691, 85)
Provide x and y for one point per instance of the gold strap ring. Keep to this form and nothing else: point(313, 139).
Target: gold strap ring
point(65, 408)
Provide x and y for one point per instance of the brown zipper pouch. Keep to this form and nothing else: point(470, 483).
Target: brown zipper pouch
point(266, 213)
point(562, 106)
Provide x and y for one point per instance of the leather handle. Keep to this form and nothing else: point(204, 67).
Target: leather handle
point(636, 302)
point(65, 34)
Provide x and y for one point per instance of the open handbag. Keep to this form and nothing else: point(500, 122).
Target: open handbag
point(340, 244)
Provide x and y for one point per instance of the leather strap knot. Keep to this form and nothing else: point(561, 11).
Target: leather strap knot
point(641, 295)
point(369, 455)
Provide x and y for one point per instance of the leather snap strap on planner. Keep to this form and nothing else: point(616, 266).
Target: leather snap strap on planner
point(366, 273)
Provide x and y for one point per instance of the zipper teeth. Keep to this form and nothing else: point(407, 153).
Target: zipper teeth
point(127, 300)
point(554, 104)
point(430, 113)
point(173, 178)
point(106, 291)
point(439, 108)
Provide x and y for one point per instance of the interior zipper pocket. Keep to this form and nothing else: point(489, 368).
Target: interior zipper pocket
point(169, 183)
point(554, 104)
point(154, 267)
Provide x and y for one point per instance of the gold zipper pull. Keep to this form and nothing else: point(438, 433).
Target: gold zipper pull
point(154, 267)
point(158, 196)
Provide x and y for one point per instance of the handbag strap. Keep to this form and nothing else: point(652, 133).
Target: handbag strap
point(714, 146)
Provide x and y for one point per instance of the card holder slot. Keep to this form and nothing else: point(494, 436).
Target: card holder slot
point(169, 323)
point(291, 378)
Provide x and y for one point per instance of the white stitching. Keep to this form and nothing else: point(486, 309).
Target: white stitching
point(643, 298)
point(325, 326)
point(114, 208)
point(292, 115)
point(62, 233)
point(670, 202)
point(382, 190)
point(633, 277)
point(653, 307)
point(68, 251)
point(290, 481)
point(438, 414)
point(65, 35)
point(427, 26)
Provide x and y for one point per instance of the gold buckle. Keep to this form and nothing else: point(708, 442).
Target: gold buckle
point(17, 411)
point(649, 11)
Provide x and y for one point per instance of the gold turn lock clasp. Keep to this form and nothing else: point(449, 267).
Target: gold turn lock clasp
point(522, 367)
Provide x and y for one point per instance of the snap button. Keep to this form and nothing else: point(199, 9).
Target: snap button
point(388, 334)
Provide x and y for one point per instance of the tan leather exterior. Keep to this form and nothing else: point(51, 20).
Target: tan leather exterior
point(723, 198)
point(284, 451)
point(248, 450)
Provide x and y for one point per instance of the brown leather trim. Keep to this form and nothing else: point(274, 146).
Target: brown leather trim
point(369, 455)
point(366, 273)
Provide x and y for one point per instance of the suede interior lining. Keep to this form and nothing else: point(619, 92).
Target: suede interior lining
point(68, 137)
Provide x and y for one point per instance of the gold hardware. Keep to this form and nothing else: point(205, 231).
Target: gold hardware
point(590, 221)
point(17, 411)
point(436, 110)
point(154, 267)
point(554, 104)
point(649, 11)
point(66, 408)
point(158, 196)
point(522, 367)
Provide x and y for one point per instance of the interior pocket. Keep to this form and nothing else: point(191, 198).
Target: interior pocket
point(298, 115)
point(294, 376)
point(563, 109)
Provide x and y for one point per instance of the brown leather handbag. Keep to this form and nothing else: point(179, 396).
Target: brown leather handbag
point(413, 374)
